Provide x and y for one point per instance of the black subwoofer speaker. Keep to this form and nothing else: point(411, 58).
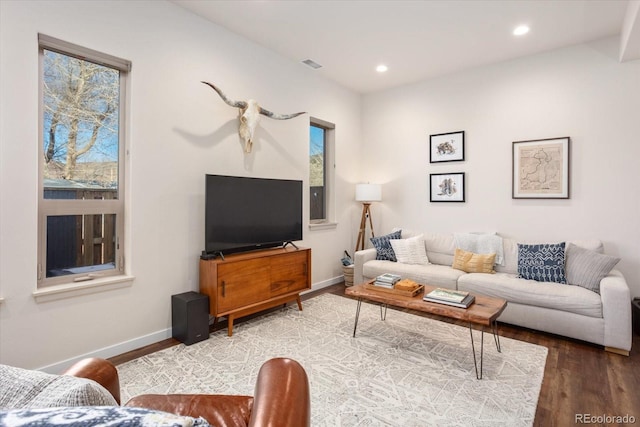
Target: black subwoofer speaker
point(190, 317)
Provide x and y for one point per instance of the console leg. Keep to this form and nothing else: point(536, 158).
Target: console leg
point(230, 325)
point(299, 301)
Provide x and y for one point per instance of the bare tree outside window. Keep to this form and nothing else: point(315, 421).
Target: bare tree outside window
point(80, 132)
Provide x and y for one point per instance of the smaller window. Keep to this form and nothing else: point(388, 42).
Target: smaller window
point(321, 137)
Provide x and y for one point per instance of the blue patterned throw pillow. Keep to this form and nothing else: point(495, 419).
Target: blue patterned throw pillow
point(543, 262)
point(384, 251)
point(96, 416)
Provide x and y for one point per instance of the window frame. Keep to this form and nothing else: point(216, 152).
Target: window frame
point(329, 174)
point(54, 207)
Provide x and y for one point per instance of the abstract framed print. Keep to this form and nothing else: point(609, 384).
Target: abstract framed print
point(447, 187)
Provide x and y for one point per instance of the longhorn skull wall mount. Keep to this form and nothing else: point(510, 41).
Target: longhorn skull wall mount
point(249, 116)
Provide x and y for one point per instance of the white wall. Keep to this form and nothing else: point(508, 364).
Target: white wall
point(582, 92)
point(179, 131)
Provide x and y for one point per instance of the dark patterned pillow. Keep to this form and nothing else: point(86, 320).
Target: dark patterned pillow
point(543, 262)
point(96, 416)
point(384, 251)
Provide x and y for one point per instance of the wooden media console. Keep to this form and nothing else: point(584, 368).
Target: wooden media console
point(249, 282)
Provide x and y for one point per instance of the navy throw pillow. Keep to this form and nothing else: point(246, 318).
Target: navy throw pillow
point(384, 251)
point(543, 262)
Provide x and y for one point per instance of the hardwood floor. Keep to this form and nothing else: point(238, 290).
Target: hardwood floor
point(580, 379)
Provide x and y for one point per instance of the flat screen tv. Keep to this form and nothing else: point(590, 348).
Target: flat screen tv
point(243, 214)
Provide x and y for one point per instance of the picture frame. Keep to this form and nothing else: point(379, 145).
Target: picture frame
point(541, 168)
point(447, 187)
point(446, 147)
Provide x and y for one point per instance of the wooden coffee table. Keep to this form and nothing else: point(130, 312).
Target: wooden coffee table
point(483, 312)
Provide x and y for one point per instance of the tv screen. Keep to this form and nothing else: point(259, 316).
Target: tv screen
point(243, 214)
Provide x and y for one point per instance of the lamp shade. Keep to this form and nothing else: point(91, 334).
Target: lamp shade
point(368, 192)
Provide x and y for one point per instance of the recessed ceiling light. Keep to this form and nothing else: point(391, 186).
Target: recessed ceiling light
point(521, 30)
point(381, 68)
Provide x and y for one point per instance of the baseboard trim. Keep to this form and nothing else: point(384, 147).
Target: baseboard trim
point(111, 351)
point(145, 340)
point(325, 284)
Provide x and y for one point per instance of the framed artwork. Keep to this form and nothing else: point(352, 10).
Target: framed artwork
point(446, 147)
point(447, 187)
point(541, 169)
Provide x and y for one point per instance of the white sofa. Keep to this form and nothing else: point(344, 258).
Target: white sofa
point(562, 309)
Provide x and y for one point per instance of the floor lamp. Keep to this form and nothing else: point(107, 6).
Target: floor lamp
point(366, 193)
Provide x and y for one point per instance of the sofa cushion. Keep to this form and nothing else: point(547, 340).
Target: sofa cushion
point(90, 416)
point(440, 248)
point(587, 268)
point(543, 262)
point(556, 296)
point(384, 251)
point(481, 243)
point(24, 388)
point(436, 275)
point(473, 263)
point(410, 251)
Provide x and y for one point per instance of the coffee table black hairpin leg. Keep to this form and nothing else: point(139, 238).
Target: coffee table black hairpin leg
point(496, 338)
point(383, 316)
point(355, 325)
point(473, 349)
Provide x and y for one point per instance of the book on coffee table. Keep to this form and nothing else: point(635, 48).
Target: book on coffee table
point(387, 280)
point(447, 294)
point(450, 297)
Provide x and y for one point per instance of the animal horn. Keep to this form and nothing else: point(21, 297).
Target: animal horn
point(279, 116)
point(237, 104)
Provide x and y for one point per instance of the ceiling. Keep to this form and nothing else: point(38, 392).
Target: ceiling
point(417, 40)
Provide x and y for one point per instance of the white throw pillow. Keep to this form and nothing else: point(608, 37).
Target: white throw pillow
point(411, 250)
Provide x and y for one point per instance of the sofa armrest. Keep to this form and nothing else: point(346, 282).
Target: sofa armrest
point(281, 395)
point(281, 398)
point(99, 370)
point(616, 310)
point(360, 257)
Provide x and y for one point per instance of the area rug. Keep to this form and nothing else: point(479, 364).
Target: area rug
point(407, 370)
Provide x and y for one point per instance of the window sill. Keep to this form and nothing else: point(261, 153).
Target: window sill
point(52, 293)
point(322, 225)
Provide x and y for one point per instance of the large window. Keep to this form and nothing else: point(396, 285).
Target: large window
point(81, 192)
point(321, 136)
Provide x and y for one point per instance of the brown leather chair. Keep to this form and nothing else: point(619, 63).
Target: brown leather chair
point(281, 397)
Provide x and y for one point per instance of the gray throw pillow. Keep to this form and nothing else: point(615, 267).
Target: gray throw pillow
point(24, 388)
point(587, 268)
